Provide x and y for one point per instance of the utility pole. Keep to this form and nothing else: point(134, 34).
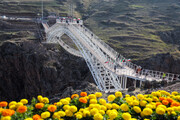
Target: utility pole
point(42, 8)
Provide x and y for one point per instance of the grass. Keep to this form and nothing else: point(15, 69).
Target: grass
point(136, 6)
point(133, 20)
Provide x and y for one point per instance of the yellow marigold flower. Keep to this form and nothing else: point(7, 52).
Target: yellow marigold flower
point(118, 94)
point(52, 108)
point(6, 118)
point(1, 109)
point(98, 116)
point(112, 115)
point(56, 115)
point(40, 98)
point(28, 119)
point(81, 110)
point(45, 100)
point(102, 101)
point(109, 106)
point(103, 107)
point(140, 96)
point(45, 115)
point(149, 100)
point(147, 111)
point(145, 96)
point(174, 93)
point(97, 106)
point(59, 103)
point(127, 95)
point(66, 107)
point(135, 102)
point(146, 119)
point(64, 101)
point(126, 116)
point(73, 108)
point(12, 103)
point(129, 100)
point(101, 112)
point(155, 99)
point(173, 112)
point(94, 111)
point(79, 116)
point(91, 106)
point(133, 97)
point(142, 114)
point(162, 106)
point(19, 104)
point(115, 106)
point(137, 109)
point(178, 118)
point(69, 113)
point(108, 112)
point(178, 108)
point(86, 113)
point(160, 111)
point(92, 96)
point(124, 107)
point(12, 107)
point(61, 113)
point(93, 101)
point(149, 106)
point(169, 109)
point(68, 99)
point(143, 103)
point(133, 119)
point(24, 101)
point(111, 98)
point(98, 94)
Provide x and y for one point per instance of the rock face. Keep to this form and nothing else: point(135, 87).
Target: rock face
point(162, 62)
point(28, 69)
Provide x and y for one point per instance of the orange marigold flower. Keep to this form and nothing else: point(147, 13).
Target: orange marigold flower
point(83, 94)
point(83, 100)
point(169, 100)
point(174, 103)
point(162, 98)
point(22, 109)
point(52, 108)
point(39, 105)
point(74, 95)
point(8, 112)
point(165, 102)
point(36, 117)
point(3, 104)
point(158, 103)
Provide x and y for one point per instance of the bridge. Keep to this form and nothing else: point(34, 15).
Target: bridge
point(109, 69)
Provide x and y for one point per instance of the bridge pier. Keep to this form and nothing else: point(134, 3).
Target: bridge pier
point(140, 83)
point(135, 83)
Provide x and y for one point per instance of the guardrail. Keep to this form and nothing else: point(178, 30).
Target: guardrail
point(156, 75)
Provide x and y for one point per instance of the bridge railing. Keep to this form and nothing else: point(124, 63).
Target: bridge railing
point(156, 75)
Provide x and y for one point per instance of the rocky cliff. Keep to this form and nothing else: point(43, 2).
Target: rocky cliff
point(28, 68)
point(169, 62)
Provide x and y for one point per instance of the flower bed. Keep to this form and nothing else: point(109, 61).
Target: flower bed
point(159, 105)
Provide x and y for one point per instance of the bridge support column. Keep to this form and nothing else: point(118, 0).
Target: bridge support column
point(140, 83)
point(135, 83)
point(125, 82)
